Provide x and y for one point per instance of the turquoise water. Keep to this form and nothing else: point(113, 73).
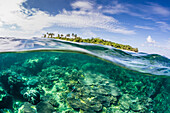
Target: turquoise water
point(54, 76)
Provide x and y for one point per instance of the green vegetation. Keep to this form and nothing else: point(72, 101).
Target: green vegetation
point(75, 38)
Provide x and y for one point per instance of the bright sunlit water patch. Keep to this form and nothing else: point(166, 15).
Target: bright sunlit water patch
point(46, 76)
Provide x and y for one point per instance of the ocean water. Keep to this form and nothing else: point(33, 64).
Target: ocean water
point(52, 76)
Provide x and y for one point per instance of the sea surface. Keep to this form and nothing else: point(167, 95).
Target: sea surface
point(42, 75)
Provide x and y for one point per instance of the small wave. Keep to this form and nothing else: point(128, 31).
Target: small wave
point(142, 62)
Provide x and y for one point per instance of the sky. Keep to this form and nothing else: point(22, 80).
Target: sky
point(143, 24)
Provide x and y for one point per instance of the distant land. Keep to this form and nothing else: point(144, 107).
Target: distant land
point(74, 38)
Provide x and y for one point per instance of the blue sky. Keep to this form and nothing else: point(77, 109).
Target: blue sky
point(144, 24)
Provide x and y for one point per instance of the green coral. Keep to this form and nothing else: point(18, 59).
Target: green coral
point(70, 82)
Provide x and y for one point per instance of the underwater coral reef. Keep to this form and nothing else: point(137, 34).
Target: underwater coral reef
point(54, 82)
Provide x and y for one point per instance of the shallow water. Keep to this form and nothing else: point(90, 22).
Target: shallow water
point(45, 76)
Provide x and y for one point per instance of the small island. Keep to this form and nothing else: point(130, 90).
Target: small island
point(73, 37)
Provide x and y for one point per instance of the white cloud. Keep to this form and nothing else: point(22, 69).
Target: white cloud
point(82, 5)
point(156, 47)
point(16, 14)
point(164, 26)
point(148, 11)
point(150, 40)
point(157, 9)
point(13, 27)
point(99, 7)
point(88, 34)
point(116, 8)
point(82, 19)
point(144, 27)
point(1, 24)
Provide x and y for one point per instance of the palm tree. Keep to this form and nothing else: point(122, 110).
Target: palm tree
point(75, 35)
point(44, 35)
point(72, 34)
point(68, 35)
point(50, 35)
point(62, 35)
